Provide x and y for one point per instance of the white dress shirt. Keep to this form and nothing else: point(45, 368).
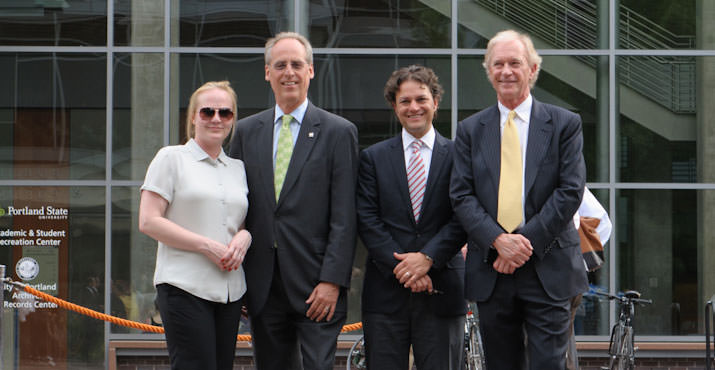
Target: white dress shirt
point(590, 207)
point(208, 197)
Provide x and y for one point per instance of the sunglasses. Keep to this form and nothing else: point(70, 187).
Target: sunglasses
point(208, 113)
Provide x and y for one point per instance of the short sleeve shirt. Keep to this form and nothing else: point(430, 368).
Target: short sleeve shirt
point(208, 197)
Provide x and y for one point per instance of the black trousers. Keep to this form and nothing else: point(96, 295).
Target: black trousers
point(437, 341)
point(285, 339)
point(520, 304)
point(200, 334)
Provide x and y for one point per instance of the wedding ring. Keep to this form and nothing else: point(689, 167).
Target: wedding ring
point(327, 309)
point(407, 273)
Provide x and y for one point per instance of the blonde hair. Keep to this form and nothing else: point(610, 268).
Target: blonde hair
point(288, 35)
point(532, 57)
point(191, 110)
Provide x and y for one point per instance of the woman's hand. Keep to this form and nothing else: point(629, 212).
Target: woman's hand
point(236, 251)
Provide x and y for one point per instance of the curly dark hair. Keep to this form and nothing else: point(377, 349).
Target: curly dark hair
point(417, 73)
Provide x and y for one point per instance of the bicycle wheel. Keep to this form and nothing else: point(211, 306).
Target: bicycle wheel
point(614, 347)
point(629, 349)
point(621, 348)
point(356, 355)
point(474, 353)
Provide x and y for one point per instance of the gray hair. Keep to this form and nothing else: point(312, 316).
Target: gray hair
point(288, 35)
point(532, 57)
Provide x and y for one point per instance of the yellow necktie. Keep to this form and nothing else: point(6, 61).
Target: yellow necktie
point(283, 154)
point(510, 211)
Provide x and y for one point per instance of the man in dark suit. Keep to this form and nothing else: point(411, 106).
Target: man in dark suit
point(413, 289)
point(523, 260)
point(301, 166)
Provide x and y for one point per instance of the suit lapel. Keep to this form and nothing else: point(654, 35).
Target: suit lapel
point(397, 161)
point(307, 136)
point(490, 143)
point(540, 133)
point(437, 165)
point(265, 152)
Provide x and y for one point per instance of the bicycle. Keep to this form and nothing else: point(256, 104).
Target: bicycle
point(473, 349)
point(356, 356)
point(621, 348)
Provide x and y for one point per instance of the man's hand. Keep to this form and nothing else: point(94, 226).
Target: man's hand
point(322, 301)
point(423, 284)
point(514, 250)
point(502, 266)
point(412, 267)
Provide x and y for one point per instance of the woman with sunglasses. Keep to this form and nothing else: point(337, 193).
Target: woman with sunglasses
point(194, 202)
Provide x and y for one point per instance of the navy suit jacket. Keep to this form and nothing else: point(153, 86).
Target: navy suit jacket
point(312, 226)
point(386, 224)
point(553, 186)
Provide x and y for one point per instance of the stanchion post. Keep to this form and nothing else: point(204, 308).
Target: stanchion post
point(708, 311)
point(2, 311)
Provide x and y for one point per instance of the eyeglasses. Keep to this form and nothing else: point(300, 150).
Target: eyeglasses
point(224, 114)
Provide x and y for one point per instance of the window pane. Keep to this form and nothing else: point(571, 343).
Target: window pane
point(138, 113)
point(577, 83)
point(139, 23)
point(59, 231)
point(52, 115)
point(380, 24)
point(363, 102)
point(245, 72)
point(551, 24)
point(133, 259)
point(659, 255)
point(55, 23)
point(661, 24)
point(228, 23)
point(660, 120)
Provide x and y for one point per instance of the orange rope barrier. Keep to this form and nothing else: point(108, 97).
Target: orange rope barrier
point(124, 322)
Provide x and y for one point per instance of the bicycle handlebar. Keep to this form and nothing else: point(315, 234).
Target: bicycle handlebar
point(625, 298)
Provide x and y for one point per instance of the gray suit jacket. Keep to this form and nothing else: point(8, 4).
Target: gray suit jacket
point(553, 186)
point(312, 226)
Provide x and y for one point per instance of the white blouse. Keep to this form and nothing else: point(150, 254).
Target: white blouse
point(208, 197)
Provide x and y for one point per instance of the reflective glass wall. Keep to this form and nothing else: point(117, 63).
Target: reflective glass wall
point(92, 89)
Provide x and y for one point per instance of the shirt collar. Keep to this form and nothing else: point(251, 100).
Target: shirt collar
point(298, 113)
point(199, 154)
point(523, 111)
point(427, 139)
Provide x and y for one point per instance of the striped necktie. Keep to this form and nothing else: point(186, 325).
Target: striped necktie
point(283, 154)
point(509, 209)
point(416, 178)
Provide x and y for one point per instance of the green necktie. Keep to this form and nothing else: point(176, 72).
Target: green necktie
point(283, 154)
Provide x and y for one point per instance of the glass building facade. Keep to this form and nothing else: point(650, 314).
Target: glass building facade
point(91, 89)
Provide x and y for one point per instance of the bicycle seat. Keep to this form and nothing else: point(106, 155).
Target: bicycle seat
point(631, 294)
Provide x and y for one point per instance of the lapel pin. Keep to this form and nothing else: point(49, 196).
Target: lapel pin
point(311, 134)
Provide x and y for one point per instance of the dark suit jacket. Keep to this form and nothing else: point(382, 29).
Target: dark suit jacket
point(386, 224)
point(312, 226)
point(554, 180)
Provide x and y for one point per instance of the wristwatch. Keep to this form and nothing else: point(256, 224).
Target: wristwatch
point(428, 258)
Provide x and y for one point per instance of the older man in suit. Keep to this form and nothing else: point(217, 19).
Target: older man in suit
point(301, 166)
point(413, 289)
point(518, 179)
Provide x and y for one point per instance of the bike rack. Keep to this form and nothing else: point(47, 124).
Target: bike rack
point(708, 312)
